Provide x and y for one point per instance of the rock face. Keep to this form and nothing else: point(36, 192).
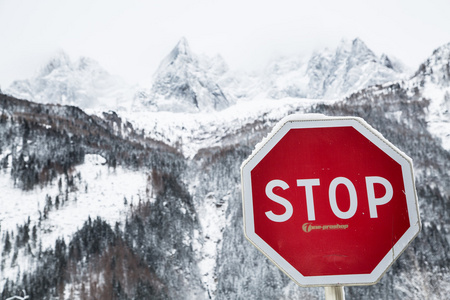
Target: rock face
point(331, 74)
point(432, 79)
point(186, 82)
point(183, 83)
point(177, 228)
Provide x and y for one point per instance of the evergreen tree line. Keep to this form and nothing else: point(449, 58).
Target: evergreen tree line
point(40, 141)
point(136, 260)
point(156, 240)
point(95, 250)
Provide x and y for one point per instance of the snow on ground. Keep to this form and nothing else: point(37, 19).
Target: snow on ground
point(103, 196)
point(99, 191)
point(193, 131)
point(213, 221)
point(439, 112)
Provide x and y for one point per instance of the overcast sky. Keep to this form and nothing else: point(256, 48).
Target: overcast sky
point(129, 38)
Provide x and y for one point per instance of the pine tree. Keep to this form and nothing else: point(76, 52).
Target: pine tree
point(7, 246)
point(34, 235)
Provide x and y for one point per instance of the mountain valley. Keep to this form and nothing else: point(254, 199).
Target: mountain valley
point(111, 191)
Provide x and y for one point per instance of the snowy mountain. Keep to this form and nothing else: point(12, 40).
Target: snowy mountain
point(186, 82)
point(331, 74)
point(83, 83)
point(147, 204)
point(433, 77)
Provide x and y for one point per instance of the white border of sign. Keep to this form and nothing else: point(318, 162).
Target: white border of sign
point(321, 121)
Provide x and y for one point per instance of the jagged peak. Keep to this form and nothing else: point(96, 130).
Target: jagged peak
point(439, 62)
point(351, 47)
point(442, 49)
point(393, 63)
point(359, 46)
point(357, 42)
point(180, 51)
point(87, 63)
point(182, 47)
point(386, 61)
point(60, 59)
point(344, 46)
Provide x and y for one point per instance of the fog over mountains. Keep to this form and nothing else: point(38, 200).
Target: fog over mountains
point(186, 82)
point(82, 83)
point(119, 191)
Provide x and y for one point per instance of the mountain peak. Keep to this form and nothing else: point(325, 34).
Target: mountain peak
point(358, 47)
point(187, 82)
point(344, 46)
point(181, 52)
point(84, 63)
point(358, 42)
point(82, 82)
point(351, 47)
point(60, 59)
point(331, 74)
point(386, 61)
point(182, 47)
point(442, 49)
point(437, 66)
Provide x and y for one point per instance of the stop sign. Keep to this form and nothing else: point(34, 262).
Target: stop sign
point(329, 200)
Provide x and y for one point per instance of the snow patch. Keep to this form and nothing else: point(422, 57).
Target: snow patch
point(191, 132)
point(438, 116)
point(98, 191)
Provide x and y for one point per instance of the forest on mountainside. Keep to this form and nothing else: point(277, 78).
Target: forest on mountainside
point(180, 235)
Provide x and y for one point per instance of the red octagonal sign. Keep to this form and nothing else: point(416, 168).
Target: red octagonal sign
point(329, 200)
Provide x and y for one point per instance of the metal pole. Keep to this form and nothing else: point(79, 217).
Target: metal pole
point(334, 293)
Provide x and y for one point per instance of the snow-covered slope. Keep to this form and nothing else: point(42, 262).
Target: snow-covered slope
point(60, 169)
point(185, 82)
point(331, 74)
point(83, 83)
point(60, 209)
point(171, 181)
point(192, 132)
point(433, 78)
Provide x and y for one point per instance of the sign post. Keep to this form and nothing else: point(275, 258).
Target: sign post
point(334, 293)
point(330, 201)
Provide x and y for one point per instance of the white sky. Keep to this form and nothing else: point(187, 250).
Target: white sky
point(129, 38)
